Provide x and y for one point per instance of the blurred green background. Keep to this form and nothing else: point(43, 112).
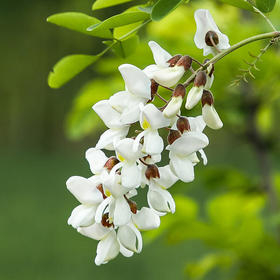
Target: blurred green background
point(227, 222)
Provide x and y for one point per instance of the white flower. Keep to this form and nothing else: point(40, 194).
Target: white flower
point(182, 153)
point(130, 173)
point(210, 115)
point(112, 120)
point(162, 72)
point(206, 27)
point(160, 179)
point(138, 91)
point(151, 119)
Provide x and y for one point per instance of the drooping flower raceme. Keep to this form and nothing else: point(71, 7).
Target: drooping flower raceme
point(108, 212)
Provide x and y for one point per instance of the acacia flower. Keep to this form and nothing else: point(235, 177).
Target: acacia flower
point(168, 70)
point(208, 35)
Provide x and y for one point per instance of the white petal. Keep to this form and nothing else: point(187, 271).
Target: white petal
point(152, 117)
point(111, 135)
point(131, 175)
point(82, 216)
point(197, 123)
point(151, 69)
point(173, 107)
point(167, 177)
point(109, 116)
point(153, 143)
point(188, 143)
point(136, 81)
point(102, 208)
point(211, 117)
point(125, 151)
point(131, 115)
point(203, 156)
point(122, 213)
point(194, 97)
point(96, 160)
point(146, 219)
point(107, 249)
point(84, 190)
point(169, 76)
point(120, 100)
point(130, 237)
point(95, 231)
point(161, 56)
point(182, 167)
point(125, 252)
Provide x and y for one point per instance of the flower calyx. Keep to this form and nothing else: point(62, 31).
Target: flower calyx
point(183, 124)
point(152, 172)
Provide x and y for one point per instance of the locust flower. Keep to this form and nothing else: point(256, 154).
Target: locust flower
point(167, 70)
point(208, 36)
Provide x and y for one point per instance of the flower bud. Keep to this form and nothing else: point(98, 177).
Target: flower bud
point(210, 38)
point(173, 60)
point(174, 106)
point(183, 124)
point(152, 172)
point(132, 204)
point(106, 221)
point(209, 114)
point(185, 61)
point(196, 91)
point(173, 135)
point(111, 162)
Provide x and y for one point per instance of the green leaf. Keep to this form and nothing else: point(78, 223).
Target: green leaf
point(239, 4)
point(265, 6)
point(100, 4)
point(119, 20)
point(126, 47)
point(163, 7)
point(68, 67)
point(79, 22)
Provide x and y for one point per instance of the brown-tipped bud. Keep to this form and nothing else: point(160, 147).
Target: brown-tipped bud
point(173, 135)
point(210, 70)
point(207, 98)
point(154, 88)
point(180, 90)
point(200, 79)
point(211, 38)
point(185, 61)
point(111, 162)
point(132, 204)
point(173, 60)
point(105, 221)
point(100, 188)
point(152, 172)
point(183, 124)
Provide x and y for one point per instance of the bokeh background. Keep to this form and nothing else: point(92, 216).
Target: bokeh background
point(227, 222)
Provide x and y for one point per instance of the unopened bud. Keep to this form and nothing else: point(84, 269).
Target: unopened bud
point(106, 221)
point(180, 90)
point(111, 162)
point(183, 124)
point(210, 70)
point(207, 98)
point(152, 172)
point(173, 60)
point(185, 61)
point(132, 204)
point(173, 135)
point(210, 38)
point(200, 79)
point(100, 188)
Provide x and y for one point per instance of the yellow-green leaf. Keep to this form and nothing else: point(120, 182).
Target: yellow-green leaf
point(265, 6)
point(79, 22)
point(100, 4)
point(68, 67)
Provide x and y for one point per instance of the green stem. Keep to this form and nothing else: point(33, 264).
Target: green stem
point(219, 56)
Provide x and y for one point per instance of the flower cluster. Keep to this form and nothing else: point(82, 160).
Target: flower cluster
point(107, 212)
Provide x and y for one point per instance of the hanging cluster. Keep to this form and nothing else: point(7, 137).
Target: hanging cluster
point(108, 212)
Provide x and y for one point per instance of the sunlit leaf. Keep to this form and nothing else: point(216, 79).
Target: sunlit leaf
point(126, 47)
point(119, 20)
point(68, 67)
point(239, 3)
point(265, 6)
point(79, 22)
point(163, 7)
point(100, 4)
